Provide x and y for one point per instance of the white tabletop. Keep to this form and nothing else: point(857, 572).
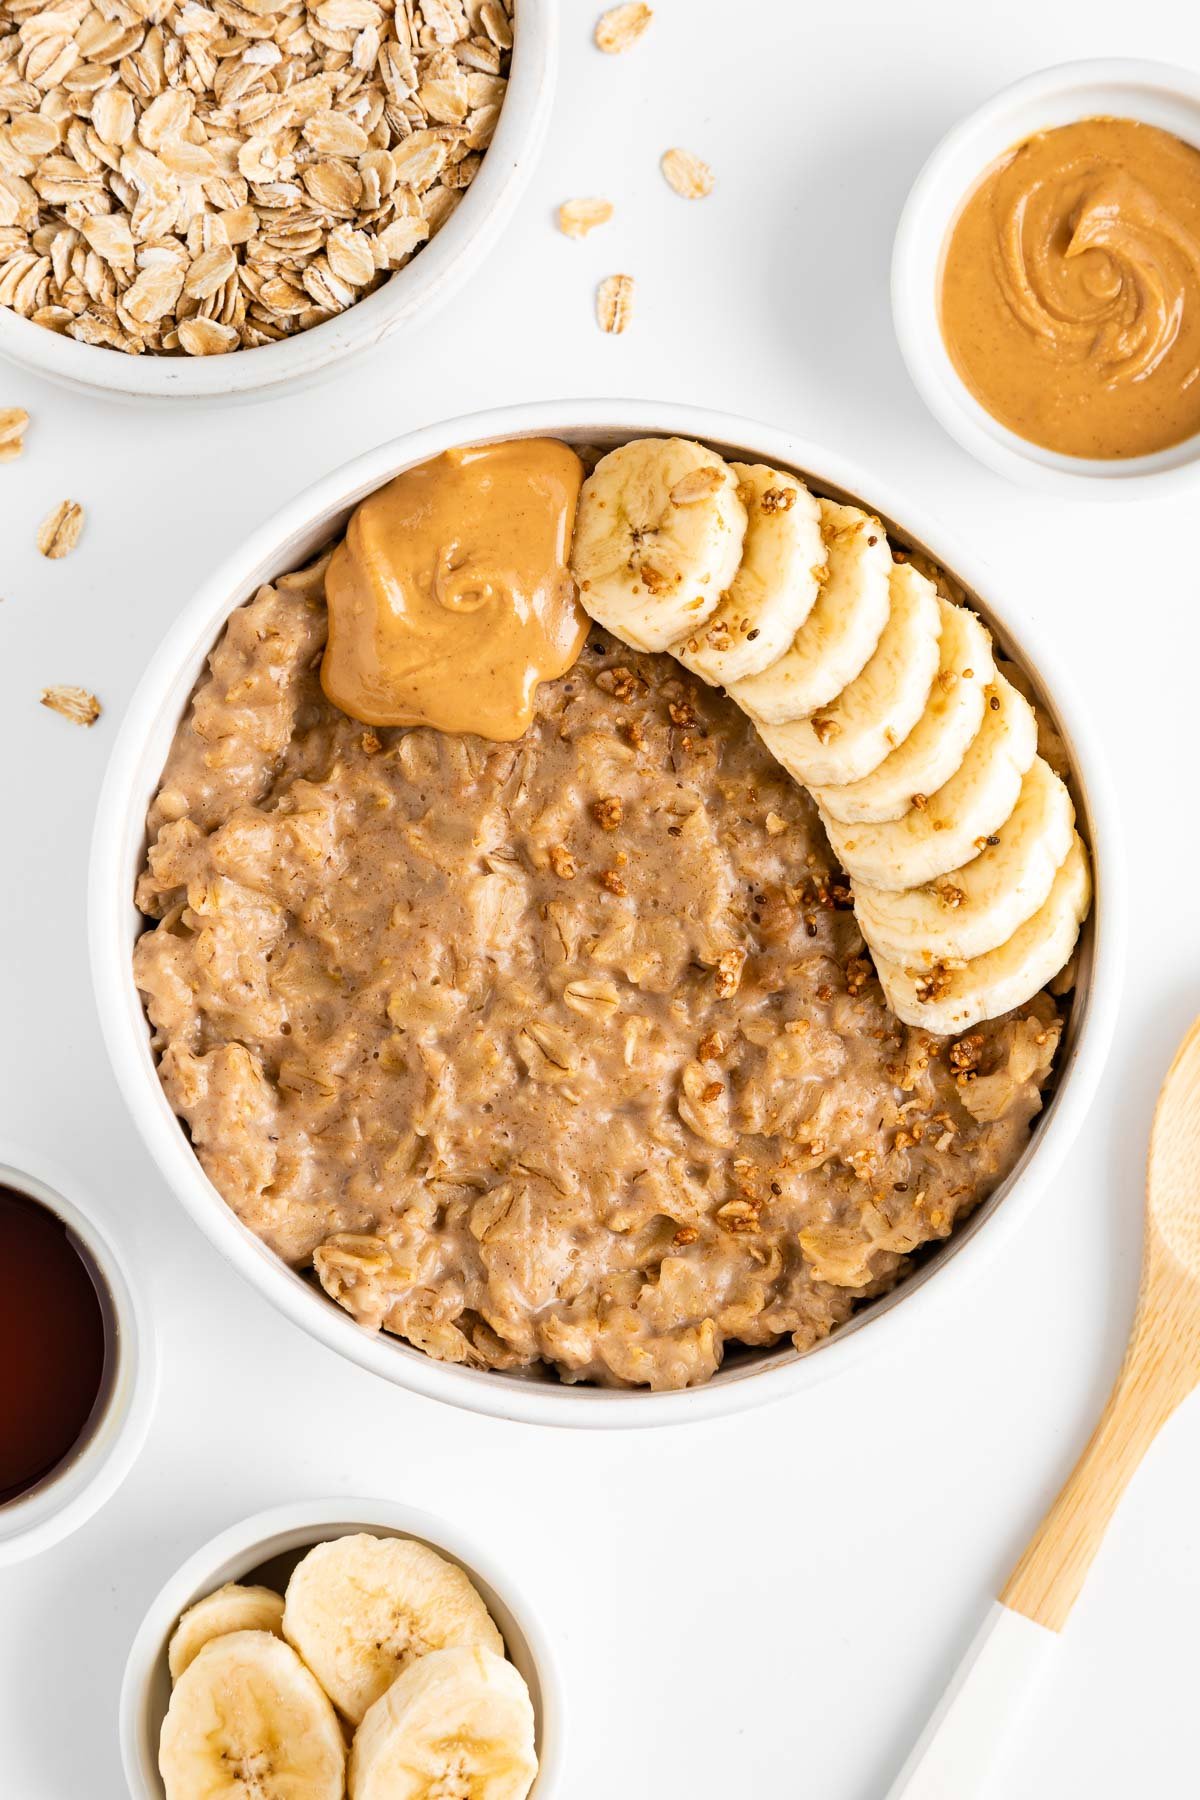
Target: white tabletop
point(769, 1605)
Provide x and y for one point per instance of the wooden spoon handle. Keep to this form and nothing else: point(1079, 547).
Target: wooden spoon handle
point(956, 1754)
point(1160, 1368)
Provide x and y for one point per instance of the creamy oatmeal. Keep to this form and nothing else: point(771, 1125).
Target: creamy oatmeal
point(564, 1051)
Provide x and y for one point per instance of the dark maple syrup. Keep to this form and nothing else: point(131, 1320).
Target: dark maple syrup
point(54, 1335)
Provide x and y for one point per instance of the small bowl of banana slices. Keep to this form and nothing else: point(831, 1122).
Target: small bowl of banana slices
point(955, 960)
point(339, 1648)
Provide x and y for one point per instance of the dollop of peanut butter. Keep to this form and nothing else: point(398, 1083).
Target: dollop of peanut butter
point(1070, 290)
point(450, 597)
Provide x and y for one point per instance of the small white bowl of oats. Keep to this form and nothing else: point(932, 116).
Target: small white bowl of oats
point(215, 218)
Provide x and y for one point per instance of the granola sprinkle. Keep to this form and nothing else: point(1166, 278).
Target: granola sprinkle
point(180, 178)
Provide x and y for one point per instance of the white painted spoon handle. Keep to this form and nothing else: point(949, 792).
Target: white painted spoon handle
point(956, 1752)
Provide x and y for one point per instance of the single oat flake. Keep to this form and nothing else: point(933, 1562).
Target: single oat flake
point(614, 303)
point(74, 703)
point(577, 217)
point(59, 532)
point(14, 422)
point(687, 174)
point(621, 26)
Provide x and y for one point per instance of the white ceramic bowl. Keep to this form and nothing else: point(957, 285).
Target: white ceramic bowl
point(413, 293)
point(265, 1548)
point(119, 845)
point(114, 1434)
point(1152, 92)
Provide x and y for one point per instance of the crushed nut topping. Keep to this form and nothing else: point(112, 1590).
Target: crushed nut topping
point(612, 881)
point(563, 863)
point(696, 485)
point(777, 500)
point(608, 812)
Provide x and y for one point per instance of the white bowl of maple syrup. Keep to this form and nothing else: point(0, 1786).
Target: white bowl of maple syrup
point(77, 1368)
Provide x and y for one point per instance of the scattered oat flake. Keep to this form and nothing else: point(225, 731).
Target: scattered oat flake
point(687, 174)
point(577, 217)
point(621, 26)
point(74, 703)
point(614, 303)
point(60, 530)
point(14, 422)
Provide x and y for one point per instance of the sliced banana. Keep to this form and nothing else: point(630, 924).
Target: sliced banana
point(658, 537)
point(946, 997)
point(359, 1609)
point(839, 635)
point(778, 580)
point(953, 825)
point(938, 741)
point(459, 1722)
point(851, 736)
point(231, 1608)
point(247, 1718)
point(976, 908)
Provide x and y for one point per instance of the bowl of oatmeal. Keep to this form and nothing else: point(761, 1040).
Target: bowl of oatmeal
point(550, 1076)
point(221, 215)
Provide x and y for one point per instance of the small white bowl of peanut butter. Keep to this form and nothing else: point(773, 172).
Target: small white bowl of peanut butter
point(1046, 280)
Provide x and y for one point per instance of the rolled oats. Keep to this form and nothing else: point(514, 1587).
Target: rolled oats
point(614, 303)
point(687, 174)
point(14, 422)
point(59, 531)
point(577, 217)
point(179, 177)
point(74, 703)
point(621, 26)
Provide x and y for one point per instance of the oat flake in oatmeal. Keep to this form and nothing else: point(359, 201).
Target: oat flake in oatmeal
point(563, 1051)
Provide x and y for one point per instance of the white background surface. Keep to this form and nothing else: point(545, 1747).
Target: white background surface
point(766, 1606)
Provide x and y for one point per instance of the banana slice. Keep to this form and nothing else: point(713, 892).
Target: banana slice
point(846, 740)
point(783, 561)
point(231, 1608)
point(938, 741)
point(247, 1718)
point(658, 537)
point(976, 908)
point(836, 640)
point(360, 1609)
point(950, 996)
point(459, 1722)
point(953, 825)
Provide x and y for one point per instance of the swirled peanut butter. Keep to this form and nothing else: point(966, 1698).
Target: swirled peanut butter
point(450, 598)
point(1070, 289)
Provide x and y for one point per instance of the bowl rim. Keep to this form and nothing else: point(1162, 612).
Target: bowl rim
point(111, 917)
point(413, 293)
point(948, 175)
point(71, 1493)
point(200, 1574)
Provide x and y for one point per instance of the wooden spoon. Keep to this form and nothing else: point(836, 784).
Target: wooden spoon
point(957, 1752)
